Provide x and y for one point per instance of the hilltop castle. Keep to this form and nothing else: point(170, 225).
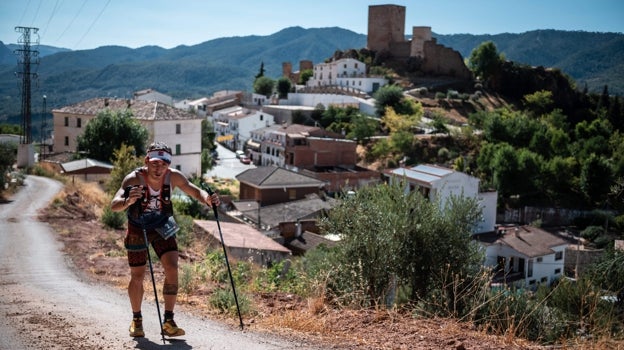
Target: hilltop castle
point(386, 34)
point(386, 37)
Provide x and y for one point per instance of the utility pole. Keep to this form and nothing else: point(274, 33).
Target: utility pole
point(26, 58)
point(42, 131)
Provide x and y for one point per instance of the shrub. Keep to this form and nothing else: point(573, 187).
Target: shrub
point(223, 300)
point(113, 219)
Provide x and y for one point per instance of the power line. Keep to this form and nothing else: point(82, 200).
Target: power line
point(24, 13)
point(50, 18)
point(93, 23)
point(36, 14)
point(73, 19)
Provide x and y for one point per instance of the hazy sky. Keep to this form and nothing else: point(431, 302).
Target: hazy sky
point(87, 24)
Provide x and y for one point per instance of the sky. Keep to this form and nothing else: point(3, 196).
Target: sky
point(87, 24)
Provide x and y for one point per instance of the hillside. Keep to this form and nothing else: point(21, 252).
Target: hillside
point(97, 253)
point(231, 63)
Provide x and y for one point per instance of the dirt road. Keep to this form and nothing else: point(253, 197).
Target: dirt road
point(44, 304)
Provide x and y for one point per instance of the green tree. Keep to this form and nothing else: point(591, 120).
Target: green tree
point(539, 103)
point(485, 61)
point(124, 161)
point(8, 157)
point(283, 87)
point(108, 131)
point(305, 75)
point(264, 86)
point(12, 129)
point(363, 127)
point(596, 179)
point(389, 237)
point(260, 71)
point(389, 96)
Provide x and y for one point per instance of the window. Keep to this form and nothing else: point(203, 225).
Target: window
point(559, 255)
point(66, 140)
point(539, 259)
point(544, 280)
point(79, 123)
point(179, 167)
point(530, 268)
point(292, 194)
point(178, 129)
point(66, 121)
point(178, 148)
point(557, 271)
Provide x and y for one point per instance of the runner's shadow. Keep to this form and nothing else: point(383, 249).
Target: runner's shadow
point(146, 344)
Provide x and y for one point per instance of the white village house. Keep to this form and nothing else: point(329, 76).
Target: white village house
point(233, 126)
point(345, 72)
point(438, 182)
point(523, 256)
point(181, 130)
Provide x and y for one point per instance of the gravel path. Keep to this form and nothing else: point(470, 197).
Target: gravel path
point(45, 305)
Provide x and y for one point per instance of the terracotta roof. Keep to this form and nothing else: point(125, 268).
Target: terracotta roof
point(273, 215)
point(240, 236)
point(275, 177)
point(528, 240)
point(143, 110)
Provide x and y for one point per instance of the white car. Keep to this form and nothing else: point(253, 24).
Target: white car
point(239, 154)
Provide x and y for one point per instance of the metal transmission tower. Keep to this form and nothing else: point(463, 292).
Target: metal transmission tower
point(27, 57)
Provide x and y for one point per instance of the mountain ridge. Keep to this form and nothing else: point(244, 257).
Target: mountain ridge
point(592, 58)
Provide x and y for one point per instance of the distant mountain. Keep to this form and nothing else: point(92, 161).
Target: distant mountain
point(595, 59)
point(8, 56)
point(66, 76)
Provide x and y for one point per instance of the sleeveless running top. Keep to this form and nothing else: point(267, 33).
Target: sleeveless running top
point(155, 208)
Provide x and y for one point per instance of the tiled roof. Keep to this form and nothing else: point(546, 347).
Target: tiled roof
point(275, 177)
point(240, 236)
point(143, 110)
point(272, 215)
point(528, 240)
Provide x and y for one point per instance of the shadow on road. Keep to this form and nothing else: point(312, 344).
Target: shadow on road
point(146, 344)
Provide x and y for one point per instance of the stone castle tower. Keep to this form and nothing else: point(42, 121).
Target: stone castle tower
point(386, 33)
point(386, 25)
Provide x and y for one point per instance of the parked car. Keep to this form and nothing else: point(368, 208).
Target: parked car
point(239, 154)
point(245, 160)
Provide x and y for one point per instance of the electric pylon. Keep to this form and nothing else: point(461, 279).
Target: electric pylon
point(27, 57)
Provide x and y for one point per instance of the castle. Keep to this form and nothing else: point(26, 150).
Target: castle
point(386, 34)
point(386, 37)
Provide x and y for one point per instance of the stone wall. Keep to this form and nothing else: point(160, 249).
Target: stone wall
point(441, 60)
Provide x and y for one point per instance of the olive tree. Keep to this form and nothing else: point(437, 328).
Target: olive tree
point(393, 240)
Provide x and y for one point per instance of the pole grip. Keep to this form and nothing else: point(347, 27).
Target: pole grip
point(210, 193)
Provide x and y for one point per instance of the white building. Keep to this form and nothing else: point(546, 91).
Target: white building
point(347, 73)
point(233, 126)
point(523, 256)
point(181, 130)
point(153, 95)
point(436, 182)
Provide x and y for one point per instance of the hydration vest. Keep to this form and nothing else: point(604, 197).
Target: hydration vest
point(137, 215)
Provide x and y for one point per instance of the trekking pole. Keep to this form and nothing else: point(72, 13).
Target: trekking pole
point(149, 259)
point(216, 214)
